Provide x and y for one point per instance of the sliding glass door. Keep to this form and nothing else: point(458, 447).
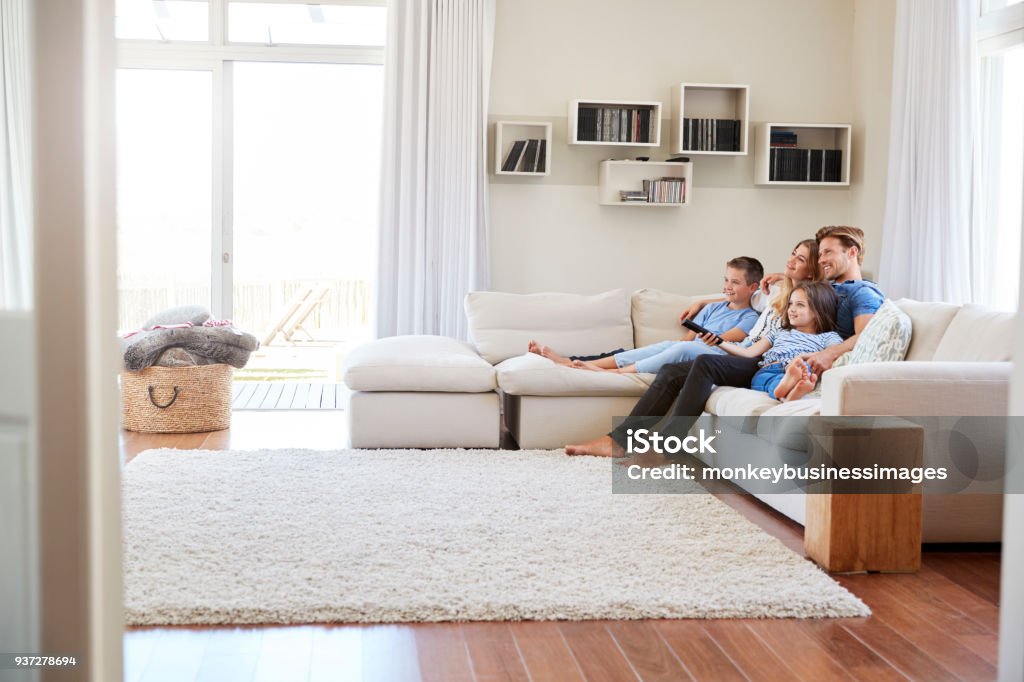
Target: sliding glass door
point(306, 156)
point(164, 180)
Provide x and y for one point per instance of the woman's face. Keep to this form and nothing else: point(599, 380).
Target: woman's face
point(799, 266)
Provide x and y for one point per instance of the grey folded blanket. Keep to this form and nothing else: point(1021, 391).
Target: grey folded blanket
point(218, 344)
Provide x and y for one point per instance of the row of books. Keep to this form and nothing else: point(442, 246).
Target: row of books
point(659, 191)
point(613, 124)
point(805, 165)
point(711, 135)
point(783, 138)
point(526, 156)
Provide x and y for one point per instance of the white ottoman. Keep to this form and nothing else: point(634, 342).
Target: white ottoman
point(421, 392)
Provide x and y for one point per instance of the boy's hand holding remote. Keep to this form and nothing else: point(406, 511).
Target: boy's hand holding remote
point(705, 335)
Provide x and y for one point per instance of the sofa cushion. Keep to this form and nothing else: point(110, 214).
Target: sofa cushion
point(977, 334)
point(885, 338)
point(786, 423)
point(531, 374)
point(729, 401)
point(929, 321)
point(417, 363)
point(501, 325)
point(656, 313)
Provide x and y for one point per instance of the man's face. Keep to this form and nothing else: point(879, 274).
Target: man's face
point(835, 260)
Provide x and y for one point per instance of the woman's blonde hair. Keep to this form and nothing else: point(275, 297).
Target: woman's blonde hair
point(786, 288)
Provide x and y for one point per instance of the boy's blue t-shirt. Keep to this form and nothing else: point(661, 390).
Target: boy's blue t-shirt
point(719, 318)
point(856, 297)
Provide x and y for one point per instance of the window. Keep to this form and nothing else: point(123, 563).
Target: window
point(164, 172)
point(165, 20)
point(248, 169)
point(998, 195)
point(277, 23)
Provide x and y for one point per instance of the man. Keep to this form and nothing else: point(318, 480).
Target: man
point(688, 385)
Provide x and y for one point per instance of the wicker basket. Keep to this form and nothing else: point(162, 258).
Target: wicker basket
point(177, 399)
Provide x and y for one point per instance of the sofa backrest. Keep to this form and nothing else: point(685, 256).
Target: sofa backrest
point(977, 334)
point(501, 325)
point(655, 315)
point(929, 321)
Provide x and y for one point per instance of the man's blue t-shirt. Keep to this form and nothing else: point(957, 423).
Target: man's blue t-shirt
point(856, 297)
point(719, 318)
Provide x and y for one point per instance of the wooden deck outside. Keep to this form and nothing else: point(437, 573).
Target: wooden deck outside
point(287, 395)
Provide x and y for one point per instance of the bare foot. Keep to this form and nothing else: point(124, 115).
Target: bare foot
point(533, 347)
point(599, 447)
point(553, 356)
point(803, 387)
point(795, 371)
point(589, 364)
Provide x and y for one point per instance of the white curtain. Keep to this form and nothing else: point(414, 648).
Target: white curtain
point(433, 219)
point(926, 239)
point(15, 155)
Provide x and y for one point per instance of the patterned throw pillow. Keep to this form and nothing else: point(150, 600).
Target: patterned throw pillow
point(885, 338)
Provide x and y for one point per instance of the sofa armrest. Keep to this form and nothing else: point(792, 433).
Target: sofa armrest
point(917, 389)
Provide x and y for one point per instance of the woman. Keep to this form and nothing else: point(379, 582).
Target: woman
point(801, 266)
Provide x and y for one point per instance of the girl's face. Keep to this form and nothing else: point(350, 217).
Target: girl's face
point(799, 267)
point(800, 314)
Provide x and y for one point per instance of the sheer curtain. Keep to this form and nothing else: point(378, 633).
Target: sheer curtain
point(927, 240)
point(15, 155)
point(433, 220)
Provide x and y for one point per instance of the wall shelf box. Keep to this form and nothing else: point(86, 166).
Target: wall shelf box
point(703, 101)
point(506, 133)
point(809, 136)
point(629, 175)
point(650, 125)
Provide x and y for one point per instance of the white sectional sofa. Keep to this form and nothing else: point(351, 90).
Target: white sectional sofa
point(437, 392)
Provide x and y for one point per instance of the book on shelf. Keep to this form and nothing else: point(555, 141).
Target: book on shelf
point(512, 160)
point(529, 164)
point(711, 134)
point(613, 124)
point(791, 164)
point(542, 159)
point(666, 190)
point(783, 138)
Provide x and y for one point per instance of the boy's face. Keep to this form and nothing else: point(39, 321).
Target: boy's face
point(736, 289)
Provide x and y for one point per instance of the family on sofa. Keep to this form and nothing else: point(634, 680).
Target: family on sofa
point(806, 324)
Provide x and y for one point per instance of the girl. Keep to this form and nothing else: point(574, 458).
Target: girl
point(808, 328)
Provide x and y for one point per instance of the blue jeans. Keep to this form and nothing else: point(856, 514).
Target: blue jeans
point(768, 378)
point(652, 358)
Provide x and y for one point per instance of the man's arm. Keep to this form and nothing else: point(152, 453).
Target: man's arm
point(823, 359)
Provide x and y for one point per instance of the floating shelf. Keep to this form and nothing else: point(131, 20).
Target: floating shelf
point(650, 125)
point(810, 136)
point(709, 101)
point(506, 133)
point(629, 175)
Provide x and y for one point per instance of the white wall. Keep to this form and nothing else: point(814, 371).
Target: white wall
point(873, 35)
point(799, 58)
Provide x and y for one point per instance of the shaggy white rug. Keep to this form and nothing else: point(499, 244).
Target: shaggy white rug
point(304, 536)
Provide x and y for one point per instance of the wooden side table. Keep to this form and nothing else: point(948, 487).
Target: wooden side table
point(855, 532)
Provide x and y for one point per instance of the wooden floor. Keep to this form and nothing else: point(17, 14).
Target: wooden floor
point(939, 624)
point(287, 395)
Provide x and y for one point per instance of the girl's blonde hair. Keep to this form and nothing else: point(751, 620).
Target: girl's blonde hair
point(786, 288)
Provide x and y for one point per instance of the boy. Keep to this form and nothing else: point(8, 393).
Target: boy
point(730, 319)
